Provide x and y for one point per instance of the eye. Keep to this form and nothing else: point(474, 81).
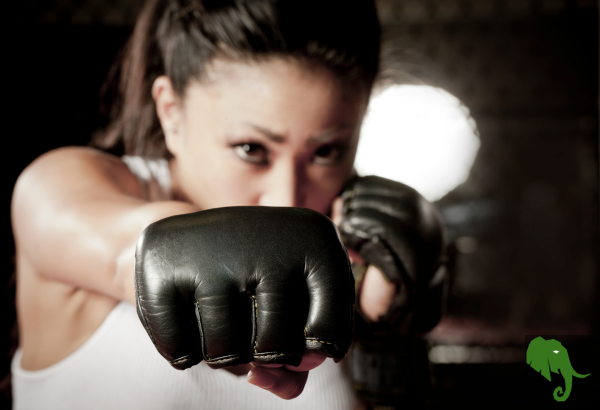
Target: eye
point(328, 155)
point(254, 153)
point(555, 351)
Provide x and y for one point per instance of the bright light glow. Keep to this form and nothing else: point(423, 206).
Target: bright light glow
point(421, 136)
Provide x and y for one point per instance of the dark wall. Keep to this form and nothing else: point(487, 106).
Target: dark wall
point(528, 72)
point(523, 229)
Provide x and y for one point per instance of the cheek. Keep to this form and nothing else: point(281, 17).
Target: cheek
point(231, 188)
point(323, 186)
point(220, 180)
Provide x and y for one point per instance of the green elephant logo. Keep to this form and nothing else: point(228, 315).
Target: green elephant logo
point(550, 355)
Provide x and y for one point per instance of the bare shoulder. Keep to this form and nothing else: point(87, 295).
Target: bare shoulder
point(59, 181)
point(73, 168)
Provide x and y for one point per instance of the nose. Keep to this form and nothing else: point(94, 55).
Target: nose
point(283, 186)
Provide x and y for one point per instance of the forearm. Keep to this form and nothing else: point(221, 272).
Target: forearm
point(94, 247)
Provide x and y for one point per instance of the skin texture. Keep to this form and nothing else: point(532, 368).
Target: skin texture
point(300, 126)
point(276, 132)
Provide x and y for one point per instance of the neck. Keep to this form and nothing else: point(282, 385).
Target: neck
point(178, 193)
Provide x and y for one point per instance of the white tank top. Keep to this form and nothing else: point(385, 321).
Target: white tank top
point(118, 367)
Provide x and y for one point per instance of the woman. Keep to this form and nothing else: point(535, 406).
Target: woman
point(221, 103)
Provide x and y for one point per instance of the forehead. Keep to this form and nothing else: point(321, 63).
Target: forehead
point(282, 93)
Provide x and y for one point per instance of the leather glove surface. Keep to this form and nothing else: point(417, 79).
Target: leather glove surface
point(245, 284)
point(392, 227)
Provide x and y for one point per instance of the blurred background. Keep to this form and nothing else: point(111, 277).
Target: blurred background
point(517, 83)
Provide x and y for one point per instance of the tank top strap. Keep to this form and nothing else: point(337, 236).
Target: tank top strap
point(153, 175)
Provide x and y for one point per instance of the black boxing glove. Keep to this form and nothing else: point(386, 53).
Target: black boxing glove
point(392, 227)
point(244, 284)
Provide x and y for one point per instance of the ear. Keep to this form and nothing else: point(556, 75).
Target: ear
point(169, 111)
point(537, 357)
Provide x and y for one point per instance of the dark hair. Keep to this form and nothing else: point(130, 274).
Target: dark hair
point(178, 38)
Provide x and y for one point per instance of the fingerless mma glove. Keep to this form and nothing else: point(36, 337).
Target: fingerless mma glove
point(394, 228)
point(241, 284)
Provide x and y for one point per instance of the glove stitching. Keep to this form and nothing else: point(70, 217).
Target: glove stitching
point(222, 360)
point(322, 341)
point(269, 355)
point(256, 356)
point(181, 360)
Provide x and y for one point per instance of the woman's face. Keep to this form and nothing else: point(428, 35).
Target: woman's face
point(274, 133)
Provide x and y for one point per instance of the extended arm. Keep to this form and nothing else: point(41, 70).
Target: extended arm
point(77, 214)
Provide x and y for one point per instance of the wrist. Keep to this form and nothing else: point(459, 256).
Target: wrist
point(149, 213)
point(124, 274)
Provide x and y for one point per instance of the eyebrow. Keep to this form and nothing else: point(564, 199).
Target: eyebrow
point(317, 139)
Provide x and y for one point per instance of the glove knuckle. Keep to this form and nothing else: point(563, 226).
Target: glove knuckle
point(254, 273)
